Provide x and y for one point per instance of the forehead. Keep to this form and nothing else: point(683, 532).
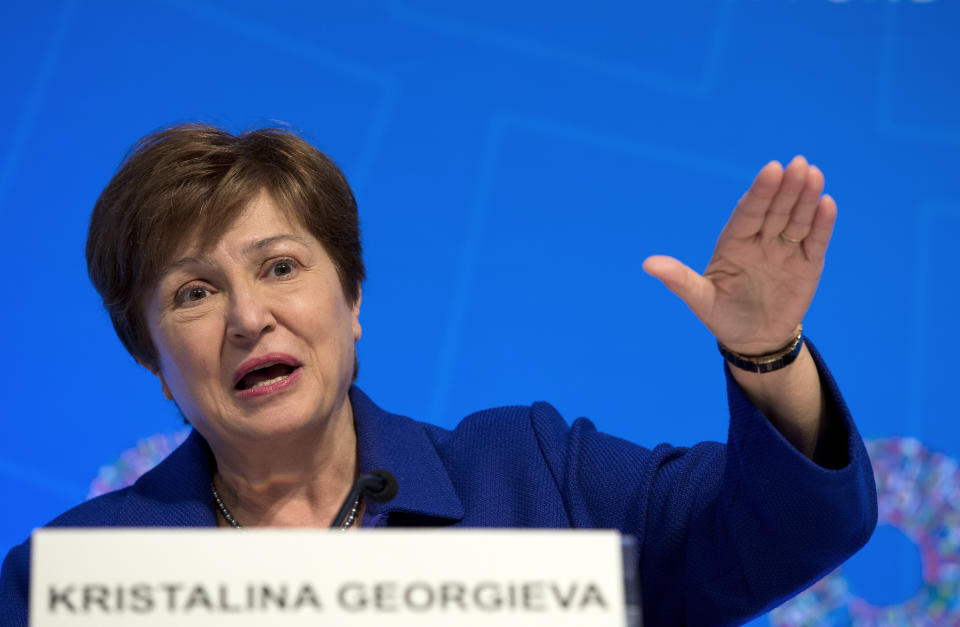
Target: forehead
point(260, 217)
point(251, 224)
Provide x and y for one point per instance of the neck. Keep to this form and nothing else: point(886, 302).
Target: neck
point(296, 480)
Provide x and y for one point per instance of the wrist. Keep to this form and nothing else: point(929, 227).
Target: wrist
point(770, 361)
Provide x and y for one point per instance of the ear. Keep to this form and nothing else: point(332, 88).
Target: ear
point(357, 329)
point(156, 372)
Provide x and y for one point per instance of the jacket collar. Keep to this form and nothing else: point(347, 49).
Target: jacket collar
point(177, 492)
point(401, 445)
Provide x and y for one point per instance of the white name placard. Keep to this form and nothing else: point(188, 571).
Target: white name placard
point(213, 577)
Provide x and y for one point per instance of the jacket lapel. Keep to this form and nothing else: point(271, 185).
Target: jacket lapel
point(401, 445)
point(176, 493)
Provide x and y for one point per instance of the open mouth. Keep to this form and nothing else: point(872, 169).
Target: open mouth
point(265, 375)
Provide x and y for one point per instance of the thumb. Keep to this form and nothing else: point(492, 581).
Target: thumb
point(680, 279)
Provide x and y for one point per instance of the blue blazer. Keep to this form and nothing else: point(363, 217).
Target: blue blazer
point(724, 532)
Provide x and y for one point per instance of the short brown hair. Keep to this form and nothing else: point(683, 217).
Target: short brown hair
point(192, 180)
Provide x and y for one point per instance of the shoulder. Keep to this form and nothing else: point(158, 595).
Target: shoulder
point(14, 585)
point(538, 433)
point(15, 575)
point(540, 426)
point(514, 429)
point(506, 424)
point(101, 511)
point(173, 493)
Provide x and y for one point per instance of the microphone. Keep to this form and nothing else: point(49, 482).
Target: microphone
point(377, 485)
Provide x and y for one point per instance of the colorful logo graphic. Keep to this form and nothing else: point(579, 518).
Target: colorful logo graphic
point(918, 493)
point(135, 461)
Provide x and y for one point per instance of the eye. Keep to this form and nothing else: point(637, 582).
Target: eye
point(281, 268)
point(190, 294)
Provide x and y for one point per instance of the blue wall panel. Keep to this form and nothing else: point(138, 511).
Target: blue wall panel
point(514, 164)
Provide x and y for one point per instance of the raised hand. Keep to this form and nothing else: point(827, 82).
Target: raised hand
point(766, 264)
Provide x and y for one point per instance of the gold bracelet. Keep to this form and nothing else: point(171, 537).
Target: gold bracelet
point(767, 362)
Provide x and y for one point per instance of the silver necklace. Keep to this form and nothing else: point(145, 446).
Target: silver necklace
point(236, 525)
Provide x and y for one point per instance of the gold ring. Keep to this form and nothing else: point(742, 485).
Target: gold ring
point(789, 239)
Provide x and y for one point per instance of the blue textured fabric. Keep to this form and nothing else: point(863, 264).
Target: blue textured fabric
point(724, 532)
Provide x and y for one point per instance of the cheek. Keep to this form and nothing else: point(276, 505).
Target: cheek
point(317, 312)
point(187, 354)
point(327, 325)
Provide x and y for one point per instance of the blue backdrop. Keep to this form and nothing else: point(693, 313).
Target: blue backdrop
point(514, 164)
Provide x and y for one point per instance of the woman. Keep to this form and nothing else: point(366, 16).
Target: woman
point(231, 269)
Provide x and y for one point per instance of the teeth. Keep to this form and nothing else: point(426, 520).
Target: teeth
point(267, 365)
point(270, 381)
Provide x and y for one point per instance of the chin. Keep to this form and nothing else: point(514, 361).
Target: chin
point(280, 422)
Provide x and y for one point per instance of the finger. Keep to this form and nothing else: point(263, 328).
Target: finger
point(801, 218)
point(794, 180)
point(696, 291)
point(815, 244)
point(747, 218)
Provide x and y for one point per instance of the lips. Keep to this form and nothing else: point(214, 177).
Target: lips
point(265, 373)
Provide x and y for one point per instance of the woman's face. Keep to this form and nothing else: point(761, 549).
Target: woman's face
point(254, 337)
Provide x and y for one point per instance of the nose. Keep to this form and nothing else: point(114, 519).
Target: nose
point(249, 314)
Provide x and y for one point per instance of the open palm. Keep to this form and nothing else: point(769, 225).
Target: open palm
point(767, 262)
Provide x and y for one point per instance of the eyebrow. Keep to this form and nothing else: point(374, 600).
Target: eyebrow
point(179, 263)
point(260, 244)
point(248, 250)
